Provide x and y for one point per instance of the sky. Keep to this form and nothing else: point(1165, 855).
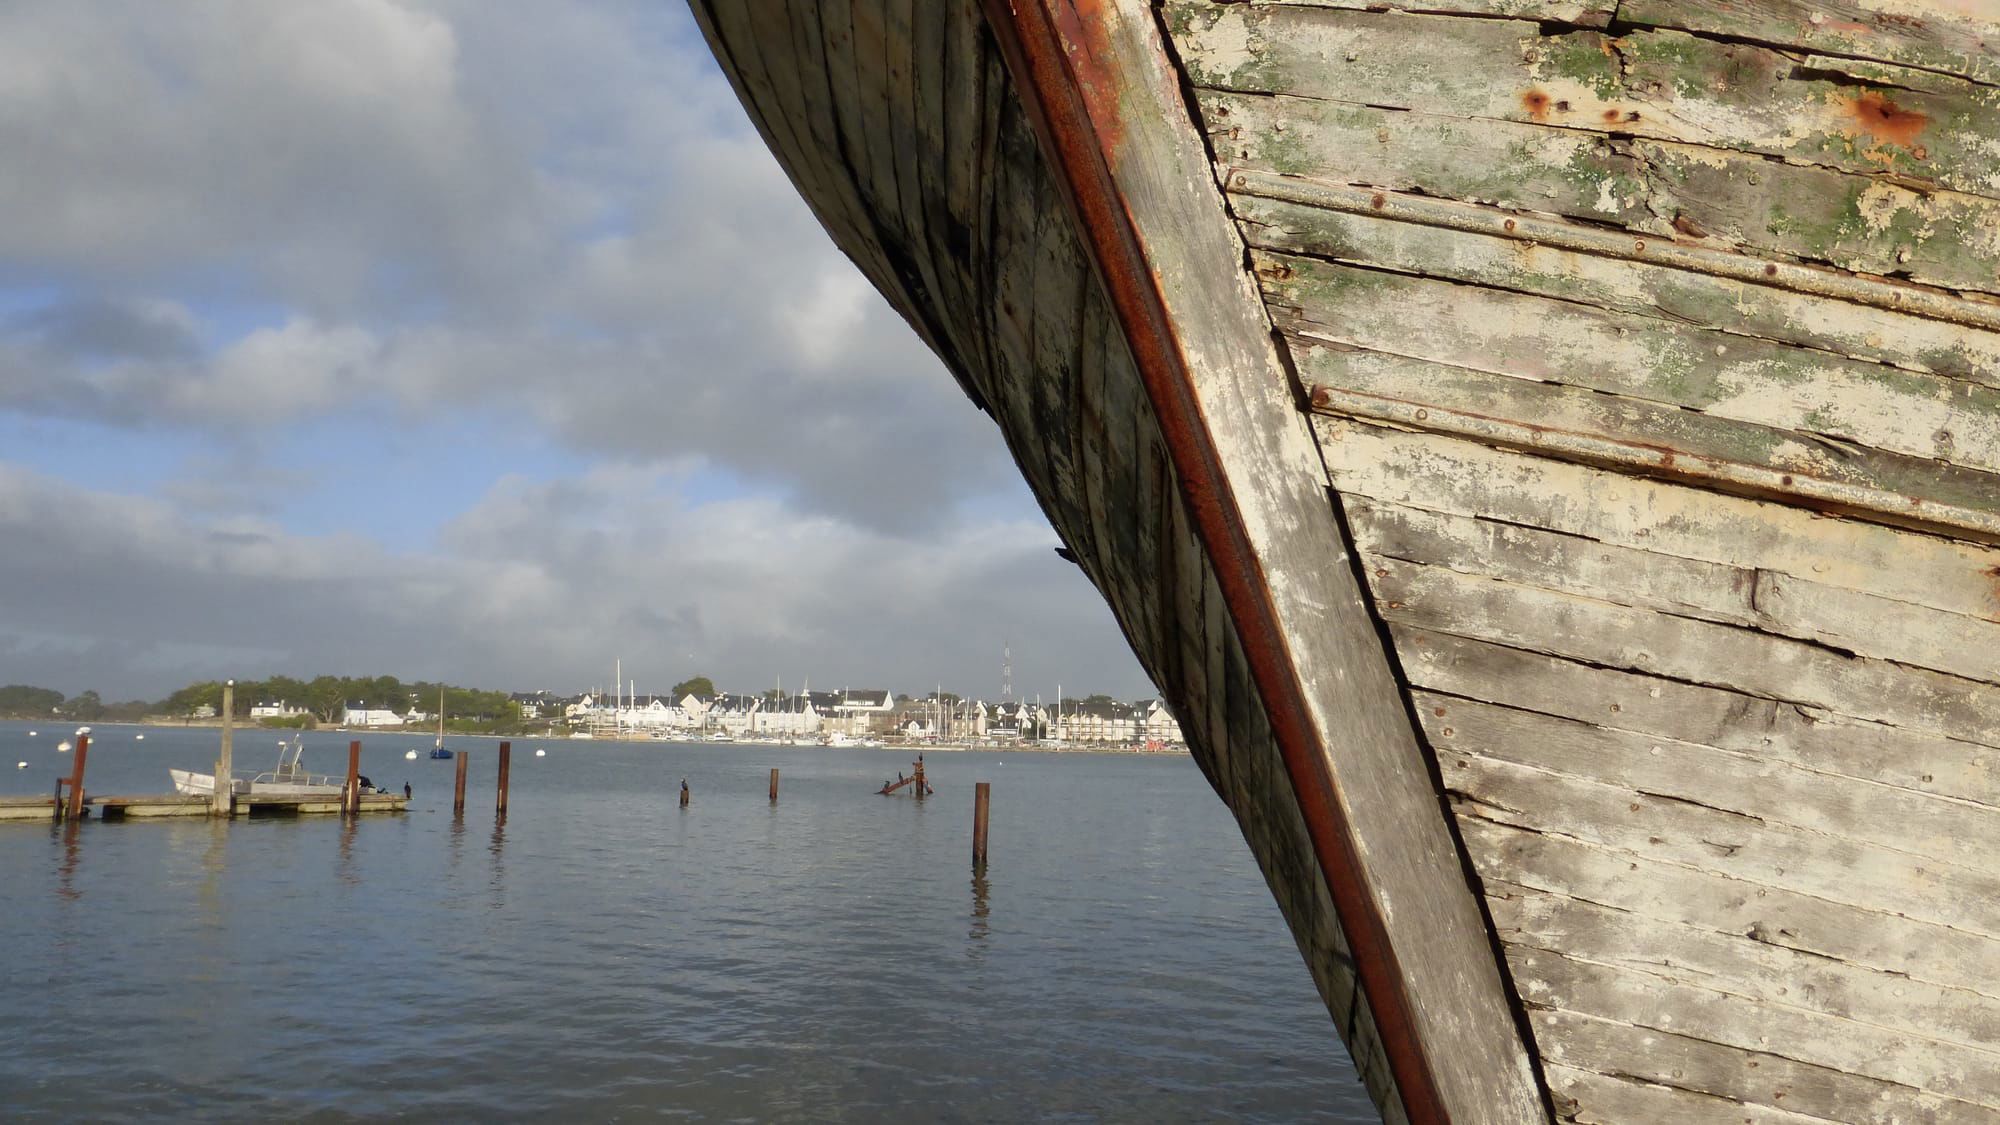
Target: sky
point(471, 342)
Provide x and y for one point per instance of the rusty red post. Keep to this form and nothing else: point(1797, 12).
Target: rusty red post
point(500, 801)
point(76, 778)
point(774, 785)
point(982, 793)
point(458, 785)
point(353, 790)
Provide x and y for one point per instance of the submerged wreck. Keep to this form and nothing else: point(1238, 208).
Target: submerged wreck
point(1548, 453)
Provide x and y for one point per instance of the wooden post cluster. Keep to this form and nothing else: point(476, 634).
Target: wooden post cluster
point(500, 798)
point(350, 797)
point(982, 794)
point(458, 785)
point(225, 764)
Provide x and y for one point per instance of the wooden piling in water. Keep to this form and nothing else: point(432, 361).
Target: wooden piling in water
point(458, 786)
point(774, 785)
point(351, 796)
point(76, 777)
point(225, 764)
point(684, 792)
point(500, 799)
point(982, 794)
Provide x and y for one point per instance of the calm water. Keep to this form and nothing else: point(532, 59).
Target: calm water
point(606, 955)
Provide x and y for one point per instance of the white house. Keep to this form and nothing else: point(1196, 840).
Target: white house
point(278, 710)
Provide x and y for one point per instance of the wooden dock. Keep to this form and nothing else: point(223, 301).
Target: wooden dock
point(176, 804)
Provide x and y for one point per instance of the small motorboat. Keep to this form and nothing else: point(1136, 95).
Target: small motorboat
point(289, 779)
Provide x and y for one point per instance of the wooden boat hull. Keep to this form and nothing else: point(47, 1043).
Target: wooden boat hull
point(1547, 460)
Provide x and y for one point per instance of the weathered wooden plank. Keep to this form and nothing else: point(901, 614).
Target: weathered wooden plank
point(1914, 824)
point(1672, 893)
point(1533, 167)
point(1529, 230)
point(1656, 707)
point(1593, 1098)
point(1759, 1079)
point(1063, 287)
point(1769, 600)
point(1667, 1004)
point(1633, 435)
point(800, 96)
point(1655, 188)
point(1590, 13)
point(1659, 84)
point(1865, 877)
point(1951, 38)
point(855, 71)
point(1666, 361)
point(1630, 285)
point(1466, 478)
point(1695, 651)
point(1757, 972)
point(1174, 264)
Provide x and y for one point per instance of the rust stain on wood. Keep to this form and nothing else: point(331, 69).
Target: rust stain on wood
point(1536, 102)
point(1881, 117)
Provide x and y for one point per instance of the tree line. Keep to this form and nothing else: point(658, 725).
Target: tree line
point(324, 699)
point(25, 701)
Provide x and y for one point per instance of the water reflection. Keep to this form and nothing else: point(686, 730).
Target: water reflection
point(980, 906)
point(348, 826)
point(497, 882)
point(455, 841)
point(66, 871)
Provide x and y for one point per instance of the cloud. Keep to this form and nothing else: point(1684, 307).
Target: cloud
point(247, 227)
point(446, 211)
point(540, 584)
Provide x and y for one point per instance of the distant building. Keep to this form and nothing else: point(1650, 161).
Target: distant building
point(535, 704)
point(361, 715)
point(277, 710)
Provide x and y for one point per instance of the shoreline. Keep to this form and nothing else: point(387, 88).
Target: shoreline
point(215, 724)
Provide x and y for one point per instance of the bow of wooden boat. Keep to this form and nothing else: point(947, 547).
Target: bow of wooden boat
point(1549, 456)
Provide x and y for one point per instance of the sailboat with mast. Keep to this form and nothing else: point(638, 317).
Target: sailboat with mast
point(438, 752)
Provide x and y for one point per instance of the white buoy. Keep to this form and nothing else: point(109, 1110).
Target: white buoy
point(541, 753)
point(410, 754)
point(140, 737)
point(33, 733)
point(20, 765)
point(62, 747)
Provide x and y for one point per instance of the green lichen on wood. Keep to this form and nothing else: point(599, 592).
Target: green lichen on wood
point(1584, 57)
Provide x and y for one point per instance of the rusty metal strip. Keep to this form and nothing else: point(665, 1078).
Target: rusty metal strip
point(1073, 105)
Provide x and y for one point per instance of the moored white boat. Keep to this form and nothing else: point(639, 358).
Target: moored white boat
point(288, 779)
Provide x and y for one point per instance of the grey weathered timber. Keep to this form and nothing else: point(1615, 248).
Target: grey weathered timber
point(1863, 405)
point(1249, 423)
point(1664, 85)
point(1960, 39)
point(1656, 376)
point(1707, 197)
